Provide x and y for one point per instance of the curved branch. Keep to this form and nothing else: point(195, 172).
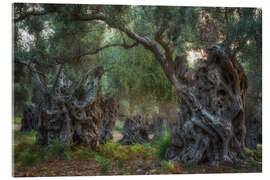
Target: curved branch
point(35, 74)
point(28, 14)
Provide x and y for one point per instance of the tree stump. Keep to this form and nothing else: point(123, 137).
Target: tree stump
point(109, 112)
point(134, 131)
point(211, 124)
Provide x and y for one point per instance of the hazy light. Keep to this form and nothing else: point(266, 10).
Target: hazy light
point(192, 56)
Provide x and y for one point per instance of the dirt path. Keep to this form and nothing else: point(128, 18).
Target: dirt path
point(117, 136)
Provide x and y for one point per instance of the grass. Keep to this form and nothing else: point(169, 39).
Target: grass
point(28, 137)
point(17, 120)
point(166, 165)
point(104, 162)
point(161, 145)
point(82, 153)
point(27, 152)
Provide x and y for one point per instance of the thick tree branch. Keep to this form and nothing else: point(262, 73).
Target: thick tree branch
point(28, 14)
point(165, 45)
point(59, 70)
point(146, 42)
point(35, 74)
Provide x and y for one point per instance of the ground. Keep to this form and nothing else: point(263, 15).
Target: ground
point(138, 161)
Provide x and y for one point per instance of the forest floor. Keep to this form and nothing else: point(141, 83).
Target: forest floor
point(110, 159)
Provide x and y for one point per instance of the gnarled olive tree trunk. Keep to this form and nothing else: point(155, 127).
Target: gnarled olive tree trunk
point(109, 112)
point(134, 131)
point(211, 125)
point(71, 112)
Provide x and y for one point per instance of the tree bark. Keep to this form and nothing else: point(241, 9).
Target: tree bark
point(29, 120)
point(67, 117)
point(134, 132)
point(109, 112)
point(211, 124)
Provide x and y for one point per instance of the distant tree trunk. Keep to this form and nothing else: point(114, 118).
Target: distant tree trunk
point(253, 122)
point(211, 125)
point(161, 126)
point(109, 112)
point(70, 112)
point(134, 131)
point(29, 120)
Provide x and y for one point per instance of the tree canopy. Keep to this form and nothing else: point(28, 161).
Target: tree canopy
point(135, 45)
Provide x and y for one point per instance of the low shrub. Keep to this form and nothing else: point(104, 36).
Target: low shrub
point(257, 155)
point(121, 161)
point(56, 150)
point(161, 145)
point(104, 162)
point(109, 150)
point(166, 165)
point(27, 153)
point(82, 153)
point(27, 157)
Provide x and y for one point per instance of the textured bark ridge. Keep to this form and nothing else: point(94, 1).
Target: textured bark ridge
point(71, 114)
point(29, 120)
point(211, 124)
point(109, 112)
point(134, 131)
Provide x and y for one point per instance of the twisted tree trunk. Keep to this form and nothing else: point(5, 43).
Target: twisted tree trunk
point(109, 112)
point(211, 125)
point(134, 131)
point(68, 117)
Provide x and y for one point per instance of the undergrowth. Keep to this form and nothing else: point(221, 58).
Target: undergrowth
point(110, 154)
point(161, 145)
point(257, 155)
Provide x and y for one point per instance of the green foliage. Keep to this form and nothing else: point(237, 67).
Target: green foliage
point(166, 165)
point(17, 120)
point(121, 160)
point(119, 125)
point(257, 155)
point(260, 135)
point(57, 147)
point(135, 74)
point(125, 171)
point(120, 153)
point(28, 137)
point(109, 149)
point(82, 153)
point(68, 155)
point(104, 162)
point(162, 144)
point(28, 154)
point(27, 157)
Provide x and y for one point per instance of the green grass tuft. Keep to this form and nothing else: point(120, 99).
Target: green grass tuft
point(162, 144)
